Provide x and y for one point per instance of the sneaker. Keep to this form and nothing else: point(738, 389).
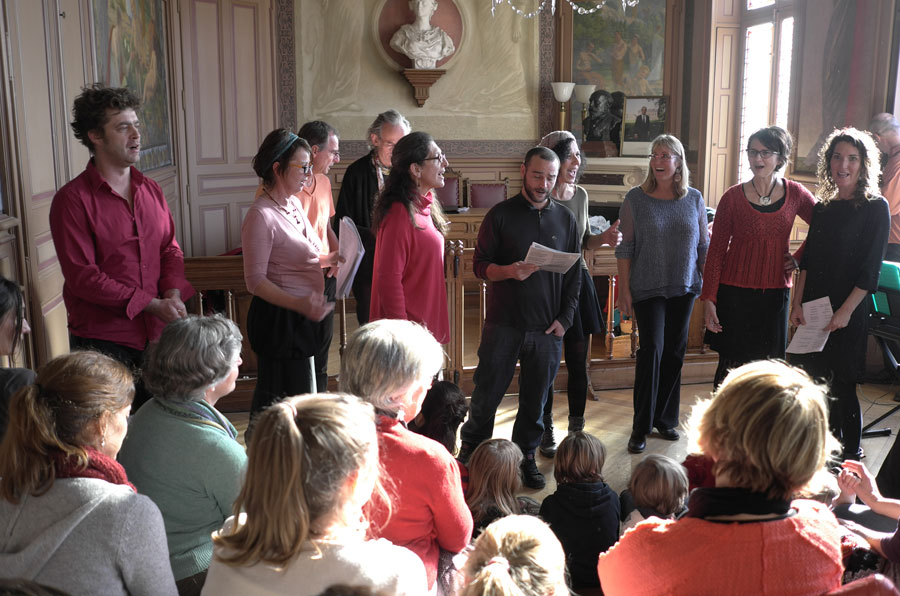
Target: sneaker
point(548, 440)
point(531, 476)
point(465, 452)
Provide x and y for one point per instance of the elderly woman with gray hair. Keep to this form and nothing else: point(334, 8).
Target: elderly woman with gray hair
point(391, 363)
point(182, 452)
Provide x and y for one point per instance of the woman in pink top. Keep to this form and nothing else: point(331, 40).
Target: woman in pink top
point(748, 269)
point(282, 271)
point(408, 278)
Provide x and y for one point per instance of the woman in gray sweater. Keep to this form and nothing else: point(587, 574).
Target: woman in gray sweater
point(69, 518)
point(660, 260)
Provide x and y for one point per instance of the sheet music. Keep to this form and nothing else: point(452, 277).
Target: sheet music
point(351, 251)
point(812, 336)
point(548, 259)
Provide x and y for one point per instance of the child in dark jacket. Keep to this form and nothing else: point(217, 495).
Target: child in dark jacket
point(658, 488)
point(584, 511)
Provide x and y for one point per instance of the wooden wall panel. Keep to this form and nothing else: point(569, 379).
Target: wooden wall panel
point(208, 121)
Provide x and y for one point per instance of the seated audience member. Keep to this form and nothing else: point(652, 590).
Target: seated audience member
point(298, 524)
point(658, 488)
point(766, 428)
point(390, 363)
point(180, 451)
point(517, 555)
point(69, 517)
point(13, 327)
point(493, 483)
point(443, 410)
point(584, 510)
point(855, 481)
point(699, 470)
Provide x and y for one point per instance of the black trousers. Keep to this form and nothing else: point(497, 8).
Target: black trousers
point(663, 326)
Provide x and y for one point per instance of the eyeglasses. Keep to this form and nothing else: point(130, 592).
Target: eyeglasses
point(662, 156)
point(335, 154)
point(440, 158)
point(305, 168)
point(765, 153)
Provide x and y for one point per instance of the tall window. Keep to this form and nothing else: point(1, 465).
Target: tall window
point(768, 29)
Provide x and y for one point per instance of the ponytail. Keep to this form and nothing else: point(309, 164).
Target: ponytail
point(56, 414)
point(301, 455)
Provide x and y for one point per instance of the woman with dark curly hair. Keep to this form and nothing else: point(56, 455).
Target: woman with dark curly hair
point(408, 278)
point(844, 249)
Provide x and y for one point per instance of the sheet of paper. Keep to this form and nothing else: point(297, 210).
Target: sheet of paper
point(351, 251)
point(548, 259)
point(812, 337)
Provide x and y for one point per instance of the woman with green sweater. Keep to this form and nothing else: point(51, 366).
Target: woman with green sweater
point(180, 451)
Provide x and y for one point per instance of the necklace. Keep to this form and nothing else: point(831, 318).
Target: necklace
point(289, 210)
point(767, 199)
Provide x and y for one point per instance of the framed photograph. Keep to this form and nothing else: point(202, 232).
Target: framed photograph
point(619, 51)
point(843, 81)
point(643, 120)
point(131, 52)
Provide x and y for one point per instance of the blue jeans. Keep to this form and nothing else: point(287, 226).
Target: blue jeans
point(501, 347)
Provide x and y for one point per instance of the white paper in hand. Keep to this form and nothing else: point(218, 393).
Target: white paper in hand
point(812, 336)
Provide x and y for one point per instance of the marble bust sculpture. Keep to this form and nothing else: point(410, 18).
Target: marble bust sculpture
point(421, 42)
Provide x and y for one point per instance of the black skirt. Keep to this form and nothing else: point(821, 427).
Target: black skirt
point(588, 315)
point(276, 332)
point(754, 323)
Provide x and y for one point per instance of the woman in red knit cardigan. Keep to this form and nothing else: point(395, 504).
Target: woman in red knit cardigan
point(747, 278)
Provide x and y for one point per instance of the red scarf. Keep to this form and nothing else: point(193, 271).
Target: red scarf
point(99, 466)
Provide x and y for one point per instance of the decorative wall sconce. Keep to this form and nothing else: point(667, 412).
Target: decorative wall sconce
point(563, 93)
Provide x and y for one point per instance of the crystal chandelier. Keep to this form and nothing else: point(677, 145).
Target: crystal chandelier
point(576, 7)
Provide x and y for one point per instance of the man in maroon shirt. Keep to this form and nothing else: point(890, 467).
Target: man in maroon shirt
point(115, 237)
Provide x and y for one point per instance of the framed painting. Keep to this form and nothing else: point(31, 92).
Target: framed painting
point(644, 118)
point(130, 50)
point(843, 78)
point(621, 52)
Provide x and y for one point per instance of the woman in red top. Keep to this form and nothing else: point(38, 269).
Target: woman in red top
point(747, 276)
point(390, 364)
point(408, 277)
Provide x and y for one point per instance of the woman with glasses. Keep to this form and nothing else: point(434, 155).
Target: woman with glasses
point(282, 271)
point(664, 242)
point(747, 278)
point(842, 259)
point(408, 277)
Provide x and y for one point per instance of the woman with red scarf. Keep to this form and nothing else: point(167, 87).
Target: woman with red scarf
point(69, 518)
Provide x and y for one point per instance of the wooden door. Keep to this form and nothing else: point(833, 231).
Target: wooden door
point(229, 105)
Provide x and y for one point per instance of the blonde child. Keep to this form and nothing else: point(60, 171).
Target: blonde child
point(659, 487)
point(493, 483)
point(584, 510)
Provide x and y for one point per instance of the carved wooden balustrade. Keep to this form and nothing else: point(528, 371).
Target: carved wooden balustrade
point(219, 282)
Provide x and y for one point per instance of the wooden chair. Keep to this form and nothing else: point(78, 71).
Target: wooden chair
point(450, 195)
point(486, 194)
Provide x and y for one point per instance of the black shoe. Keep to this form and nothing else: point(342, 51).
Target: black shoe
point(465, 452)
point(531, 476)
point(548, 440)
point(637, 444)
point(669, 434)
